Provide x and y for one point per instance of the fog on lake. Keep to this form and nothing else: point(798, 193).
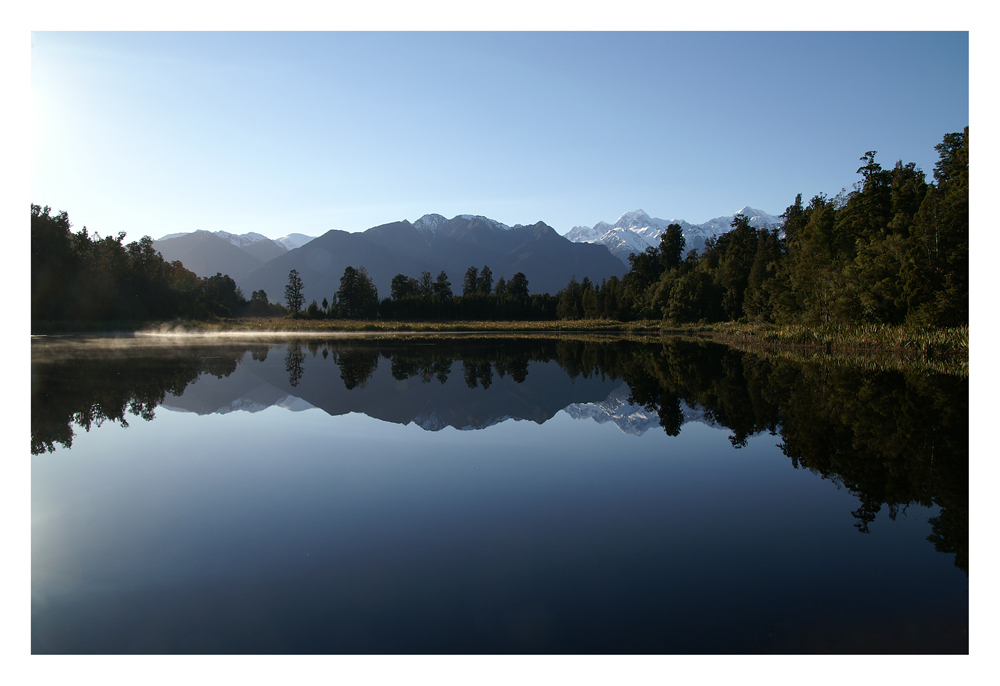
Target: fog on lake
point(491, 495)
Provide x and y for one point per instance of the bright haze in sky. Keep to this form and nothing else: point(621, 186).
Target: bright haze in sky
point(278, 133)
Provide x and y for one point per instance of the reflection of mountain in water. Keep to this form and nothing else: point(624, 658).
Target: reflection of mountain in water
point(629, 417)
point(425, 401)
point(209, 394)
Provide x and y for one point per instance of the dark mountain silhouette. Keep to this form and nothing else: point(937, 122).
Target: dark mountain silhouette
point(265, 250)
point(207, 254)
point(547, 259)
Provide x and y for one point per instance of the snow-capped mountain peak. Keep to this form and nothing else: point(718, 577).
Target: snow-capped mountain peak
point(635, 231)
point(293, 240)
point(429, 223)
point(289, 242)
point(631, 220)
point(242, 240)
point(631, 418)
point(759, 218)
point(492, 222)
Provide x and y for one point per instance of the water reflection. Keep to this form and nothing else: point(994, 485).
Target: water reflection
point(891, 438)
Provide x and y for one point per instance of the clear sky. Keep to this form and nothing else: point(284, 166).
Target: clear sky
point(155, 133)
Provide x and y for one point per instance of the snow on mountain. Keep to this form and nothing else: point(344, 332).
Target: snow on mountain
point(429, 223)
point(242, 240)
point(294, 404)
point(430, 421)
point(492, 222)
point(639, 220)
point(631, 418)
point(244, 404)
point(293, 240)
point(289, 242)
point(620, 240)
point(584, 234)
point(633, 232)
point(757, 218)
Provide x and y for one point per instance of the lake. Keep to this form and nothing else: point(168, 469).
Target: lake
point(491, 495)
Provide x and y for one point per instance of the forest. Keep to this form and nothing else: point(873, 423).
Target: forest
point(893, 250)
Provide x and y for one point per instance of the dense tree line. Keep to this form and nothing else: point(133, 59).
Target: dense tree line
point(78, 277)
point(894, 250)
point(432, 298)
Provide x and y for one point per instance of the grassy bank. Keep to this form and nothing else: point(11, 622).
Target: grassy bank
point(871, 338)
point(861, 340)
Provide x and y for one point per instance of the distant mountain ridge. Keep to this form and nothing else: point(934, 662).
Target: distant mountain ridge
point(290, 242)
point(207, 253)
point(434, 243)
point(636, 231)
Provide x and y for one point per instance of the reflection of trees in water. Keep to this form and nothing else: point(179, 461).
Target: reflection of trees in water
point(88, 390)
point(293, 363)
point(405, 368)
point(356, 366)
point(891, 438)
point(477, 373)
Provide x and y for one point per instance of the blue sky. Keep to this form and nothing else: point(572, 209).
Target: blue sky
point(155, 133)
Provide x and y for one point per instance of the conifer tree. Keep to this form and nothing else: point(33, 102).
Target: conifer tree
point(293, 292)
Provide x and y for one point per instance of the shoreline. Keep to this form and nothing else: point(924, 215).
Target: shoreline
point(890, 345)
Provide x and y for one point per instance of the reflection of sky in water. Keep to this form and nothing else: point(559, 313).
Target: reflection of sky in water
point(520, 536)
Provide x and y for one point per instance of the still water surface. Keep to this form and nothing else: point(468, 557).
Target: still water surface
point(485, 496)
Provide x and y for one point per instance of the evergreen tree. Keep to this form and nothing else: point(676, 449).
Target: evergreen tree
point(357, 297)
point(570, 301)
point(293, 293)
point(815, 264)
point(517, 287)
point(735, 264)
point(672, 247)
point(484, 284)
point(936, 272)
point(757, 299)
point(259, 304)
point(425, 287)
point(471, 283)
point(442, 286)
point(219, 296)
point(403, 286)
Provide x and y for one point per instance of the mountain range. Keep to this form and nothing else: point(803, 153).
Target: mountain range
point(207, 253)
point(636, 231)
point(434, 243)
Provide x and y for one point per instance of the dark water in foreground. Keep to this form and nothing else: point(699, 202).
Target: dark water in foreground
point(476, 496)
